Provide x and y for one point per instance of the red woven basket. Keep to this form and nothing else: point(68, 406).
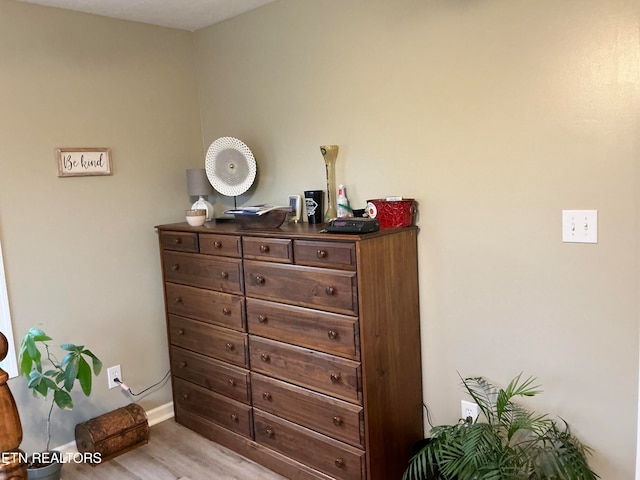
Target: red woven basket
point(392, 213)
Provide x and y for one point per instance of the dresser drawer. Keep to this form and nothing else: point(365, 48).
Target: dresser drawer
point(216, 273)
point(207, 305)
point(233, 415)
point(340, 420)
point(325, 454)
point(209, 340)
point(270, 249)
point(181, 241)
point(326, 373)
point(329, 332)
point(330, 254)
point(332, 290)
point(211, 374)
point(225, 245)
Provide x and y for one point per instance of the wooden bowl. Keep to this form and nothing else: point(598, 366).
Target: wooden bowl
point(272, 219)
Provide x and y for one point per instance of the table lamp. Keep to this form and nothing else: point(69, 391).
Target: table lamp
point(198, 186)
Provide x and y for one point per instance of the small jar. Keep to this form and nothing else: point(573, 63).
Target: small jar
point(196, 218)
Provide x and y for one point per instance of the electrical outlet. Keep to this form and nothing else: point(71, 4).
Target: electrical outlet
point(113, 373)
point(469, 409)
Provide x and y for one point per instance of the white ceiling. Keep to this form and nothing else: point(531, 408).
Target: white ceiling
point(184, 14)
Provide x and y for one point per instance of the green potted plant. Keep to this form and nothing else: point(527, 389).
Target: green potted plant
point(46, 374)
point(513, 443)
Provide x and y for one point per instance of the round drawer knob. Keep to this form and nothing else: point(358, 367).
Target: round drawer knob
point(321, 254)
point(339, 462)
point(335, 378)
point(183, 364)
point(217, 244)
point(259, 279)
point(181, 331)
point(178, 300)
point(330, 290)
point(332, 334)
point(230, 347)
point(266, 396)
point(270, 433)
point(185, 396)
point(264, 248)
point(226, 311)
point(231, 382)
point(337, 421)
point(265, 357)
point(262, 319)
point(177, 241)
point(175, 267)
point(224, 275)
point(234, 417)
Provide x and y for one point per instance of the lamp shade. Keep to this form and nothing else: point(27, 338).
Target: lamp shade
point(198, 183)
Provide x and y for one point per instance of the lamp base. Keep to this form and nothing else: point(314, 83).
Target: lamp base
point(201, 203)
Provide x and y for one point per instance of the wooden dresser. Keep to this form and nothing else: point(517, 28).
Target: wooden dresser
point(296, 348)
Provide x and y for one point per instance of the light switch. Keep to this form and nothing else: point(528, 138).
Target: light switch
point(580, 226)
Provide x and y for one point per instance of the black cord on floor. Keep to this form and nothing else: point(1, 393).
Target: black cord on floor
point(128, 390)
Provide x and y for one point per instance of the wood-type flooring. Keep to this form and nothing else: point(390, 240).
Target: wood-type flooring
point(173, 453)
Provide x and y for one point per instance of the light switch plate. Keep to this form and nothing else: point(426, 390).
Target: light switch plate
point(580, 226)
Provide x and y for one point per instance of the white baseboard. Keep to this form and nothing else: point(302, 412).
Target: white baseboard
point(154, 416)
point(160, 414)
point(67, 449)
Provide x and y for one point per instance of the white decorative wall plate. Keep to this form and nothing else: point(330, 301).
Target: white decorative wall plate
point(230, 166)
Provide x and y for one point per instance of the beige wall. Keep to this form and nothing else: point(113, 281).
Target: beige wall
point(495, 116)
point(81, 254)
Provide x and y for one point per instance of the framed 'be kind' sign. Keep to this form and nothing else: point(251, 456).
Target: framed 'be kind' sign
point(82, 162)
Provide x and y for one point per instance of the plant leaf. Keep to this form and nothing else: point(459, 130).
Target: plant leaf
point(63, 399)
point(70, 347)
point(97, 364)
point(84, 376)
point(71, 363)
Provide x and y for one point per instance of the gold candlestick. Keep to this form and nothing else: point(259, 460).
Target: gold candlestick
point(330, 153)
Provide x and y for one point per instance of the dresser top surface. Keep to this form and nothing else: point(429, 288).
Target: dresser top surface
point(287, 230)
